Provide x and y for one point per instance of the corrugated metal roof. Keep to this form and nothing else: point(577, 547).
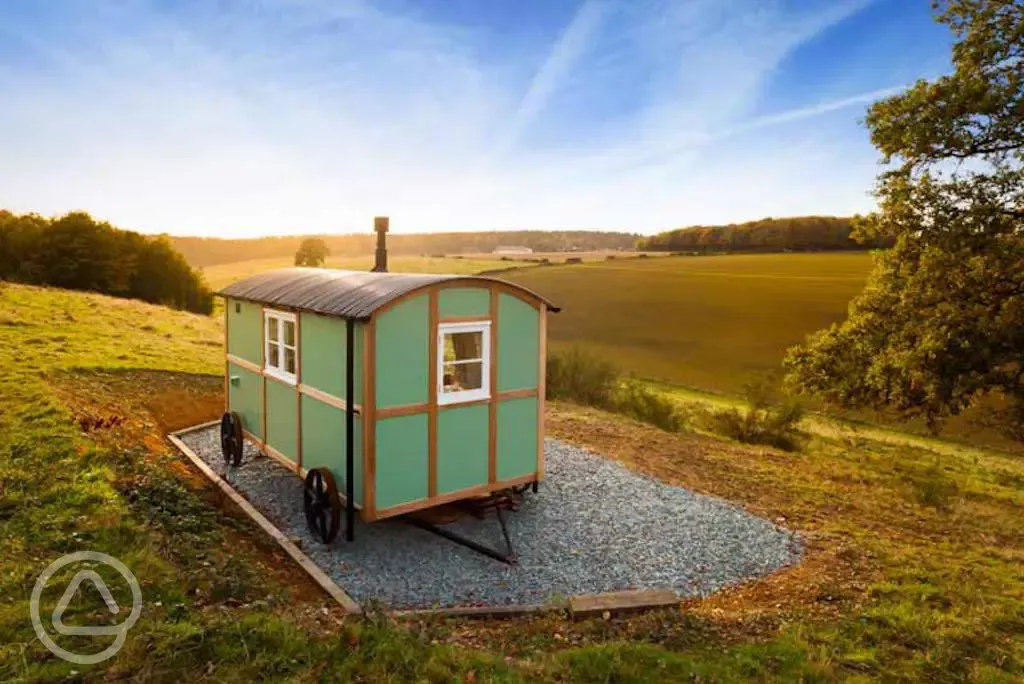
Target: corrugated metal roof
point(348, 294)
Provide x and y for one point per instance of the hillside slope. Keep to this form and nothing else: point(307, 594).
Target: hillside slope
point(911, 571)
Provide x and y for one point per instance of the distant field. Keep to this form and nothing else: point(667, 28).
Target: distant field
point(224, 274)
point(711, 322)
point(559, 257)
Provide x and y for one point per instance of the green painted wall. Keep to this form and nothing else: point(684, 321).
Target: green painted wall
point(517, 437)
point(461, 447)
point(463, 301)
point(322, 354)
point(282, 413)
point(323, 442)
point(518, 344)
point(402, 338)
point(244, 398)
point(245, 329)
point(401, 460)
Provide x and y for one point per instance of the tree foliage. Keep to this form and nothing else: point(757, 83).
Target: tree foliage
point(312, 252)
point(77, 252)
point(797, 234)
point(941, 322)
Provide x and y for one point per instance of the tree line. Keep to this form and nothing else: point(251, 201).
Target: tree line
point(77, 252)
point(204, 251)
point(796, 234)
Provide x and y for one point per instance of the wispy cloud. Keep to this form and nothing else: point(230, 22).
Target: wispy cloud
point(564, 57)
point(277, 116)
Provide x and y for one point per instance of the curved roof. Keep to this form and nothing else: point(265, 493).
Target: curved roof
point(348, 294)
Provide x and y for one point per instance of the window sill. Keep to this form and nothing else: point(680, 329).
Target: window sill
point(287, 378)
point(452, 398)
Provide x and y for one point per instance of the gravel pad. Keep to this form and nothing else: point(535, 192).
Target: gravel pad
point(594, 526)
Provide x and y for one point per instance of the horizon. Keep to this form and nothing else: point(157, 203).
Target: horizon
point(281, 119)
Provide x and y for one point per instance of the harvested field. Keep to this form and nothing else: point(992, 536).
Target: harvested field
point(712, 322)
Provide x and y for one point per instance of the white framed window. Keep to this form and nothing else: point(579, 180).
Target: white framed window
point(463, 362)
point(281, 345)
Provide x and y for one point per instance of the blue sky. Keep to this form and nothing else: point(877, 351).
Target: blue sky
point(253, 117)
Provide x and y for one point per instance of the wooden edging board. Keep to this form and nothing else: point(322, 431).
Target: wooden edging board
point(318, 575)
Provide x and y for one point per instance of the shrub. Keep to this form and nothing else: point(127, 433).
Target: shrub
point(638, 401)
point(767, 420)
point(584, 378)
point(934, 488)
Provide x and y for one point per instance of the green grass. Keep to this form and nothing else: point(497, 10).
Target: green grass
point(913, 571)
point(224, 274)
point(200, 570)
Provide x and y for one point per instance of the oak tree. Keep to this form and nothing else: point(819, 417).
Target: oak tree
point(312, 252)
point(941, 321)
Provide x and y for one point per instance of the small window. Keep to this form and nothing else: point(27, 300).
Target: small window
point(463, 362)
point(281, 357)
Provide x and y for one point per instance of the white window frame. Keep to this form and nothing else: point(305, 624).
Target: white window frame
point(279, 371)
point(462, 396)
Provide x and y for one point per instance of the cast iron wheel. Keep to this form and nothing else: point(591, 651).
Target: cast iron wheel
point(322, 505)
point(231, 438)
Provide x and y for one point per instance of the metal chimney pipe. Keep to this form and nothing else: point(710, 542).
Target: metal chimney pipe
point(380, 225)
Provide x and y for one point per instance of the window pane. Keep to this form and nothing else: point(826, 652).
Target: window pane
point(289, 333)
point(463, 376)
point(273, 360)
point(463, 345)
point(289, 360)
point(272, 329)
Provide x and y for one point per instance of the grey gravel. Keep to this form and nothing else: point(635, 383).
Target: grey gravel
point(594, 526)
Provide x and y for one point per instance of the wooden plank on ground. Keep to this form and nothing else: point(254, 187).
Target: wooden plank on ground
point(318, 575)
point(617, 602)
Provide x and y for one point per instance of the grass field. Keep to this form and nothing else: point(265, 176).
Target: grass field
point(912, 569)
point(224, 274)
point(709, 322)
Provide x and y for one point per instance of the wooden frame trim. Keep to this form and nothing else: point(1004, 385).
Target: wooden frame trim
point(524, 393)
point(298, 391)
point(263, 377)
point(327, 398)
point(432, 382)
point(424, 407)
point(243, 363)
point(227, 355)
point(275, 454)
point(463, 404)
point(463, 319)
point(542, 362)
point(448, 497)
point(402, 410)
point(308, 390)
point(492, 401)
point(483, 283)
point(370, 419)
